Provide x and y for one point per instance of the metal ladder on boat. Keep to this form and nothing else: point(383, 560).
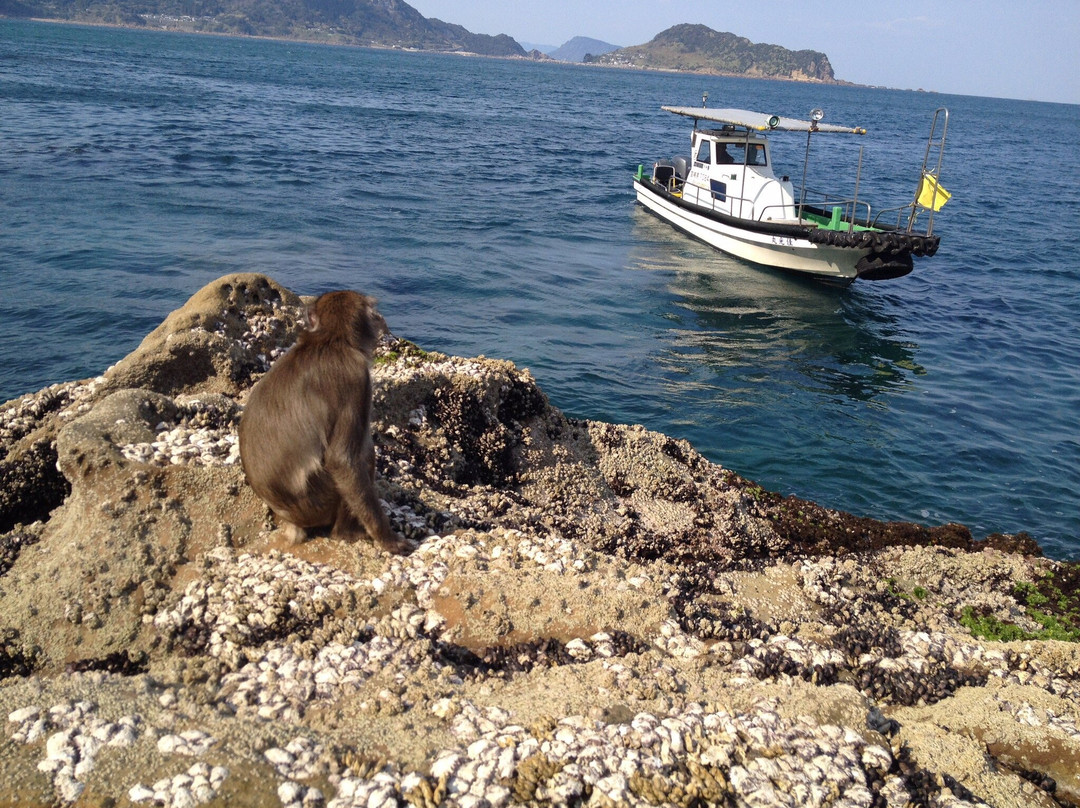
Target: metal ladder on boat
point(929, 179)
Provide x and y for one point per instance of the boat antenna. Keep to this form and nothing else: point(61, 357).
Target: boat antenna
point(855, 200)
point(815, 116)
point(704, 98)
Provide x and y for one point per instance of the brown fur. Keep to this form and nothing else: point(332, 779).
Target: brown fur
point(305, 438)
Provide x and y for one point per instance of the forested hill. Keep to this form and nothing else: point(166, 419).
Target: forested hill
point(381, 23)
point(396, 24)
point(700, 49)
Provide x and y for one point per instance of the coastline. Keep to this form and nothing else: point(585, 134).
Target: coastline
point(268, 38)
point(377, 46)
point(594, 612)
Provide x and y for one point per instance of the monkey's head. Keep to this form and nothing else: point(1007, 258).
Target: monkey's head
point(348, 316)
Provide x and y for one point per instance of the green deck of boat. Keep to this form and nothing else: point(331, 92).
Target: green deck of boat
point(836, 222)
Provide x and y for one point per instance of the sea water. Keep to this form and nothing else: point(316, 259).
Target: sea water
point(488, 205)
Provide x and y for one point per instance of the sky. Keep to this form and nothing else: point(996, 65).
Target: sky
point(1025, 49)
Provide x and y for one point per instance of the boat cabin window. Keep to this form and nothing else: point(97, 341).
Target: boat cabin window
point(730, 153)
point(750, 154)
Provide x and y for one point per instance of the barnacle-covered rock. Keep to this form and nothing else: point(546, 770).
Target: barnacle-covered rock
point(594, 613)
point(218, 342)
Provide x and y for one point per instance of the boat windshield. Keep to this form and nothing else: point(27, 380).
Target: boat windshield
point(732, 153)
point(750, 154)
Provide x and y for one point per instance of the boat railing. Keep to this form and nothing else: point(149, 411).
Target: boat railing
point(848, 216)
point(850, 207)
point(931, 172)
point(732, 204)
point(707, 198)
point(906, 216)
point(786, 212)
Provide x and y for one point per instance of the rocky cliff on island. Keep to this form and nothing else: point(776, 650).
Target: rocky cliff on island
point(594, 614)
point(700, 49)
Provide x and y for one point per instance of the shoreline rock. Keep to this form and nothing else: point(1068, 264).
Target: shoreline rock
point(595, 614)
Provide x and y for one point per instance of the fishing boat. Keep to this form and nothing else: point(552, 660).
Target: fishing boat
point(727, 194)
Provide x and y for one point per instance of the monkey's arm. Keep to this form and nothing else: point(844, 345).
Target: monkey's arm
point(350, 460)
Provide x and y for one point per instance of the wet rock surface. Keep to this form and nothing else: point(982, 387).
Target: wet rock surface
point(594, 614)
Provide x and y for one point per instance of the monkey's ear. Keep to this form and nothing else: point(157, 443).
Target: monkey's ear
point(311, 319)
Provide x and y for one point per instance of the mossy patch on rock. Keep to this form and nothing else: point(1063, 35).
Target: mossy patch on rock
point(1052, 601)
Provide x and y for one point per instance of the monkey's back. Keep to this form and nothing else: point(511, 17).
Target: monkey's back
point(292, 415)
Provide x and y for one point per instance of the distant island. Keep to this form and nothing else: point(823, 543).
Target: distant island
point(581, 49)
point(372, 23)
point(396, 24)
point(699, 49)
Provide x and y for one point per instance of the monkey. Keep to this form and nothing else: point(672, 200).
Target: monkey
point(305, 436)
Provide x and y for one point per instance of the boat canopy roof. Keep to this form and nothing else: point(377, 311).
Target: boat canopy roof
point(760, 121)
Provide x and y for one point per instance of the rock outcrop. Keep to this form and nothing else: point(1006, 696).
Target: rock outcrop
point(594, 614)
point(699, 49)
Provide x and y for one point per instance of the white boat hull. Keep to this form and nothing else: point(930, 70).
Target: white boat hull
point(836, 264)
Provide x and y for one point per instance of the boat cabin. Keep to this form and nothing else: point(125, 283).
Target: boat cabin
point(730, 172)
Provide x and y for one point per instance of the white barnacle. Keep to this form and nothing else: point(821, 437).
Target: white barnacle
point(140, 793)
point(876, 756)
point(446, 764)
point(290, 792)
point(482, 749)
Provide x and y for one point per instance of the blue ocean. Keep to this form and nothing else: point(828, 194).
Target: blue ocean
point(488, 205)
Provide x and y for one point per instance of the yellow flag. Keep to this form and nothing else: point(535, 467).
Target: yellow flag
point(932, 194)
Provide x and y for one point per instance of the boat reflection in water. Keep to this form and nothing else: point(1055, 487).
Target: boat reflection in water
point(792, 371)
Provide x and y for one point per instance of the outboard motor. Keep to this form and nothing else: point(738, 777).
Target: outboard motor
point(662, 172)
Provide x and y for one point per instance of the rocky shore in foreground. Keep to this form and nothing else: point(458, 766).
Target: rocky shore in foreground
point(594, 614)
